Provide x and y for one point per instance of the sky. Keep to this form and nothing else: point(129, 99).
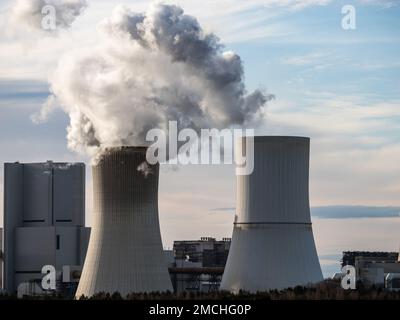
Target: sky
point(339, 87)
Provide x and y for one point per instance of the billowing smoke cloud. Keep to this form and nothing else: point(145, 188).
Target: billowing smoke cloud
point(29, 13)
point(151, 68)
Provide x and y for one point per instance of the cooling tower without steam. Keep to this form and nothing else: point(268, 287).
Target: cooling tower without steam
point(272, 244)
point(125, 251)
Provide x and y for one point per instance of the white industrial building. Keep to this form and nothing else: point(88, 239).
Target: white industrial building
point(44, 220)
point(272, 244)
point(125, 251)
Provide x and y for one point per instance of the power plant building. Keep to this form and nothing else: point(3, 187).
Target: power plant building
point(44, 220)
point(125, 251)
point(374, 268)
point(207, 252)
point(198, 265)
point(272, 244)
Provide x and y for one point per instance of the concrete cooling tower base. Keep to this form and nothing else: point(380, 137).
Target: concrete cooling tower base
point(283, 261)
point(125, 252)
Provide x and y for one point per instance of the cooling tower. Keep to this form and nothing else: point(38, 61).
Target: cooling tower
point(272, 244)
point(125, 252)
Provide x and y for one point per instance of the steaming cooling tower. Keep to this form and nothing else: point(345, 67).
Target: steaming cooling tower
point(272, 243)
point(125, 252)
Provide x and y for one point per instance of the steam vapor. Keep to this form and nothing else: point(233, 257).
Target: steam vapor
point(145, 169)
point(28, 13)
point(151, 68)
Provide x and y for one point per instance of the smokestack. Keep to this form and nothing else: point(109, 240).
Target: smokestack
point(272, 243)
point(125, 251)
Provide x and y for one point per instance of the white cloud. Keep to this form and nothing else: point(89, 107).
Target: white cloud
point(383, 3)
point(295, 4)
point(313, 58)
point(30, 14)
point(354, 149)
point(317, 60)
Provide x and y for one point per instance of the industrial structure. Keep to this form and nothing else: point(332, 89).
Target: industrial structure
point(206, 252)
point(44, 222)
point(349, 257)
point(125, 251)
point(198, 265)
point(380, 269)
point(272, 244)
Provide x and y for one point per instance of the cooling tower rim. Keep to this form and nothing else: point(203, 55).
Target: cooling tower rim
point(125, 148)
point(120, 151)
point(278, 138)
point(48, 163)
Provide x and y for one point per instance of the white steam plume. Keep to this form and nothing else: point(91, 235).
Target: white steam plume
point(28, 13)
point(145, 169)
point(47, 109)
point(151, 68)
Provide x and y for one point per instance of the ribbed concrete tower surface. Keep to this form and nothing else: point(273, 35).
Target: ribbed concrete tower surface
point(272, 244)
point(125, 251)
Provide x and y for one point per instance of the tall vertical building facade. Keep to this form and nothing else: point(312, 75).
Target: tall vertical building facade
point(44, 220)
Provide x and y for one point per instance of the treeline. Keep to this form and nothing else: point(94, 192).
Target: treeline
point(326, 290)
